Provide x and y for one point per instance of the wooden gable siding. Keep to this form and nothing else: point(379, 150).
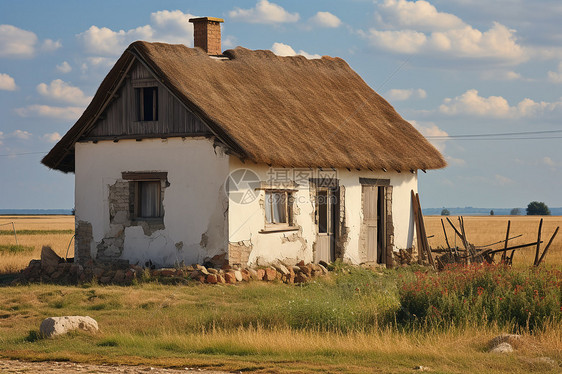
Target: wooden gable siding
point(119, 121)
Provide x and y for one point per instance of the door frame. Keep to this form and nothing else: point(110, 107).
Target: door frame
point(332, 192)
point(385, 228)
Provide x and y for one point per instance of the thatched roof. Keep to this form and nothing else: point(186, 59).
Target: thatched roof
point(282, 111)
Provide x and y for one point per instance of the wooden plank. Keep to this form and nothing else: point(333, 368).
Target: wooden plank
point(445, 233)
point(418, 230)
point(144, 175)
point(422, 226)
point(466, 244)
point(510, 248)
point(456, 232)
point(504, 254)
point(548, 246)
point(538, 244)
point(119, 119)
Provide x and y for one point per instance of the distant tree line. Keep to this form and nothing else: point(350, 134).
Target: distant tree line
point(536, 208)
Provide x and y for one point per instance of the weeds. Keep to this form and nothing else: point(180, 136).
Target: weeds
point(482, 294)
point(15, 248)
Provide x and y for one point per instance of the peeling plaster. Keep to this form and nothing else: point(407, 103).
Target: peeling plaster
point(194, 201)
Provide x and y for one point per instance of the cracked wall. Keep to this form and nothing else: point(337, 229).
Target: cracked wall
point(246, 221)
point(195, 206)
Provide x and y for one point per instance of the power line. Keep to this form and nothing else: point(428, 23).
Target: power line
point(21, 154)
point(481, 139)
point(470, 136)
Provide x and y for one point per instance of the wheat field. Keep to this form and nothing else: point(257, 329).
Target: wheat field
point(480, 230)
point(59, 241)
point(484, 230)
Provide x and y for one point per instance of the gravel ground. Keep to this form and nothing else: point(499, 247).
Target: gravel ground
point(15, 366)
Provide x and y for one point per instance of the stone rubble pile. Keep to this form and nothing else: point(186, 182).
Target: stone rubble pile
point(52, 268)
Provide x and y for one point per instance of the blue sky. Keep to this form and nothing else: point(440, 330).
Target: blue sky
point(455, 67)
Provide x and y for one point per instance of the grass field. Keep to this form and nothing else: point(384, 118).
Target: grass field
point(345, 323)
point(257, 327)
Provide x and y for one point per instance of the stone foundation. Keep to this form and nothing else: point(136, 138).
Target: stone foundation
point(122, 273)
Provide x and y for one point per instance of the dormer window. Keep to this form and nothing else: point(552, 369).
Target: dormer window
point(147, 103)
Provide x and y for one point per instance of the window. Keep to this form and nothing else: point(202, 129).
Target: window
point(148, 199)
point(147, 103)
point(278, 210)
point(146, 194)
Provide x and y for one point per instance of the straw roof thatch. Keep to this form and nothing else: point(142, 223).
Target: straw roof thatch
point(282, 111)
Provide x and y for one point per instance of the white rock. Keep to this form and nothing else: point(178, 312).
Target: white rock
point(512, 339)
point(502, 348)
point(54, 326)
point(281, 268)
point(238, 275)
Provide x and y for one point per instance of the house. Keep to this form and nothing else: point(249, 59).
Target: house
point(189, 153)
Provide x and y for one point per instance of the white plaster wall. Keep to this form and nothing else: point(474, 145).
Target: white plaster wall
point(246, 220)
point(194, 203)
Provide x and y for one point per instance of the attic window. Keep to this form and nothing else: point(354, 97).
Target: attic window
point(146, 99)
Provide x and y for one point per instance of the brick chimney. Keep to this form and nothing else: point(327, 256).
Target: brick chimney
point(207, 34)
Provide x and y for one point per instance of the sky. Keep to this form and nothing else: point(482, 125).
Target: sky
point(481, 79)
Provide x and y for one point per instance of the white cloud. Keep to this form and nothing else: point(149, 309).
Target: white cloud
point(15, 42)
point(502, 180)
point(59, 90)
point(406, 41)
point(20, 134)
point(1, 137)
point(502, 75)
point(64, 67)
point(455, 161)
point(397, 94)
point(326, 19)
point(419, 15)
point(103, 62)
point(172, 27)
point(7, 83)
point(418, 28)
point(431, 130)
point(64, 113)
point(229, 41)
point(166, 26)
point(471, 103)
point(51, 137)
point(556, 76)
point(264, 12)
point(105, 41)
point(548, 161)
point(50, 45)
point(281, 49)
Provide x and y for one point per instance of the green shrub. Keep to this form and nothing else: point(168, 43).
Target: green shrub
point(481, 294)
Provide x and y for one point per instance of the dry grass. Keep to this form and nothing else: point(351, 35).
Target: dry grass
point(483, 230)
point(13, 262)
point(171, 339)
point(176, 336)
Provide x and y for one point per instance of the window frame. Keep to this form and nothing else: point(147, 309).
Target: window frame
point(289, 224)
point(135, 179)
point(138, 201)
point(139, 87)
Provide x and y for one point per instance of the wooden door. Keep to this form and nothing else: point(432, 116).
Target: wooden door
point(326, 208)
point(370, 205)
